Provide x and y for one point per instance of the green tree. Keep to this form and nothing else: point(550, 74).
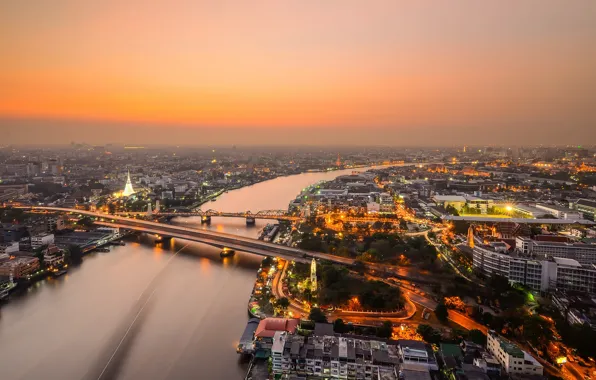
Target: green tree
point(74, 254)
point(385, 330)
point(358, 266)
point(429, 334)
point(283, 302)
point(267, 261)
point(441, 312)
point(317, 315)
point(85, 221)
point(477, 337)
point(339, 326)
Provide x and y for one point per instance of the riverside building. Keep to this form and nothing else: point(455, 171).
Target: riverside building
point(513, 359)
point(546, 274)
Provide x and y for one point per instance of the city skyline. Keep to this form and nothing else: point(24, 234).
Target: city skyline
point(271, 73)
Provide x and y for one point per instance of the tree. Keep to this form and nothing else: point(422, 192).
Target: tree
point(283, 302)
point(429, 334)
point(537, 330)
point(85, 221)
point(267, 261)
point(477, 337)
point(385, 330)
point(339, 326)
point(317, 315)
point(358, 266)
point(74, 254)
point(441, 312)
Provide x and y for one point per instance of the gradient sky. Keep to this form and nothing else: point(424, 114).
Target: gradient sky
point(374, 72)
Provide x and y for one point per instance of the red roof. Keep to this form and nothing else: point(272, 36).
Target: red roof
point(268, 326)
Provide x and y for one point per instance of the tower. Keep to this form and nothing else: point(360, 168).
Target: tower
point(149, 210)
point(471, 237)
point(313, 276)
point(338, 162)
point(128, 190)
point(157, 205)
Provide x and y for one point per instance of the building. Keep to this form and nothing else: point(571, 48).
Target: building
point(489, 261)
point(19, 267)
point(40, 240)
point(8, 248)
point(513, 359)
point(56, 223)
point(128, 190)
point(585, 254)
point(587, 208)
point(13, 232)
point(332, 357)
point(528, 211)
point(417, 353)
point(455, 201)
point(560, 212)
point(489, 364)
point(545, 275)
point(53, 258)
point(386, 204)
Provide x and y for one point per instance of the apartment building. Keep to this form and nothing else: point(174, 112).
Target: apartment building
point(513, 359)
point(40, 240)
point(554, 273)
point(333, 357)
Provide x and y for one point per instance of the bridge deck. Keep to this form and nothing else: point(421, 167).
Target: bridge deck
point(218, 239)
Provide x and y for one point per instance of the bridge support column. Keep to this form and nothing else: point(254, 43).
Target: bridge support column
point(206, 219)
point(250, 221)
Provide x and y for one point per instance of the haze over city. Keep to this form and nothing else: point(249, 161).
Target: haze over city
point(316, 73)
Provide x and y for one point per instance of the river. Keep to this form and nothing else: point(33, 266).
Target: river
point(182, 314)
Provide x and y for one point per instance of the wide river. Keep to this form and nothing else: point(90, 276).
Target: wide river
point(182, 314)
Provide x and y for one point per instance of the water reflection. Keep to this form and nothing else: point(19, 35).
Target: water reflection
point(62, 328)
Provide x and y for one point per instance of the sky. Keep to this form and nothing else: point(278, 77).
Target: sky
point(341, 72)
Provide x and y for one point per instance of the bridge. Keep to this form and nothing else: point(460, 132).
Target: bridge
point(217, 239)
point(206, 215)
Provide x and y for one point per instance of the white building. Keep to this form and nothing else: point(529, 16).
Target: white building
point(416, 353)
point(387, 205)
point(555, 273)
point(8, 248)
point(40, 240)
point(560, 212)
point(277, 351)
point(585, 254)
point(513, 359)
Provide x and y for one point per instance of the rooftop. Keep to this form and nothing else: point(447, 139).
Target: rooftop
point(268, 326)
point(568, 262)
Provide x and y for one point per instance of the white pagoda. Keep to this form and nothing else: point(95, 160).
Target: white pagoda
point(128, 190)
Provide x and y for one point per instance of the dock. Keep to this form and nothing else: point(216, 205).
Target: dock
point(246, 345)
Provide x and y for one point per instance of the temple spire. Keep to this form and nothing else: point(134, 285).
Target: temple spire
point(128, 190)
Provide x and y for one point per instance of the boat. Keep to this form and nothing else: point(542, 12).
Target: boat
point(227, 252)
point(59, 273)
point(6, 288)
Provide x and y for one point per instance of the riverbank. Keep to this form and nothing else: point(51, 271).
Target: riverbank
point(223, 191)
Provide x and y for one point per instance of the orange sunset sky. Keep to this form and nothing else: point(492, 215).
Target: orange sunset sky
point(315, 72)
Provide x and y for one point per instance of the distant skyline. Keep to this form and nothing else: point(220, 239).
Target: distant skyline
point(338, 72)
